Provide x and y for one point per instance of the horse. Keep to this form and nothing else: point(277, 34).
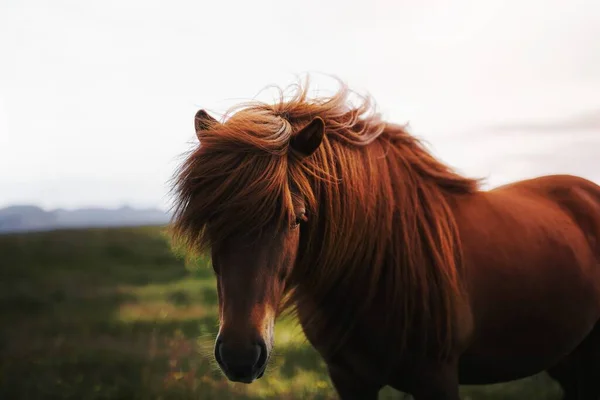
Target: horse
point(401, 271)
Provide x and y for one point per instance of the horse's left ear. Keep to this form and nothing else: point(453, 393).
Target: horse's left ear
point(203, 121)
point(309, 138)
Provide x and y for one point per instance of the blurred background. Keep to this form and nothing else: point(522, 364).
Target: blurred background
point(96, 111)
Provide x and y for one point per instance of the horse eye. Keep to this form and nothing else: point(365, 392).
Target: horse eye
point(296, 223)
point(300, 218)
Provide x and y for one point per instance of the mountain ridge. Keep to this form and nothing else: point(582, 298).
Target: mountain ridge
point(31, 218)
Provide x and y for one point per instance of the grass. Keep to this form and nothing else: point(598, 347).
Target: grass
point(113, 314)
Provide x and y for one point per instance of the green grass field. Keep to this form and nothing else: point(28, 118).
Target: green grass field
point(113, 314)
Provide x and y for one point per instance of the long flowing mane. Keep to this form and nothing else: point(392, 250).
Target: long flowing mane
point(380, 219)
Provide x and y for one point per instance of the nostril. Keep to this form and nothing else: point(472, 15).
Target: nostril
point(219, 351)
point(261, 360)
point(257, 354)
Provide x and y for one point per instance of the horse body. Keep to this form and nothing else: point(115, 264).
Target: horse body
point(532, 301)
point(533, 273)
point(401, 271)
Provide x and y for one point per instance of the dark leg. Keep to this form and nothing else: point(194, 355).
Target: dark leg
point(589, 380)
point(438, 382)
point(565, 373)
point(351, 387)
point(579, 373)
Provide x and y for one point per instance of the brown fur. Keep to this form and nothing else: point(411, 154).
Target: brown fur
point(388, 224)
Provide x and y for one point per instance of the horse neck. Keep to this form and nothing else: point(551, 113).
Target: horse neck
point(406, 257)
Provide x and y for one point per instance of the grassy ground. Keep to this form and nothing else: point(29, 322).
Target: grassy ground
point(113, 314)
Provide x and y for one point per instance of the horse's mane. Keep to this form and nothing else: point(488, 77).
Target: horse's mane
point(380, 222)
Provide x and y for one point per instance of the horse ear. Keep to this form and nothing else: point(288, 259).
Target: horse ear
point(203, 121)
point(309, 138)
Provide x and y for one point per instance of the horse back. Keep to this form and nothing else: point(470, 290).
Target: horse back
point(563, 204)
point(578, 197)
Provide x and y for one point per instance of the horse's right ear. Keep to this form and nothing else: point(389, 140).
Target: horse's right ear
point(309, 138)
point(203, 121)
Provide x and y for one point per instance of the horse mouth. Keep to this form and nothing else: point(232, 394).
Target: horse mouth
point(245, 379)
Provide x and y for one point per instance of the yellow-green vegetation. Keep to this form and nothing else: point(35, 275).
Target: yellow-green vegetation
point(114, 314)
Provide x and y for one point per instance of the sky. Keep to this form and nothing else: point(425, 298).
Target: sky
point(97, 98)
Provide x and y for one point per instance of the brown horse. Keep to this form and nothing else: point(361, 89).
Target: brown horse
point(401, 271)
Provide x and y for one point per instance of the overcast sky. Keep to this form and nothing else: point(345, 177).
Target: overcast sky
point(97, 98)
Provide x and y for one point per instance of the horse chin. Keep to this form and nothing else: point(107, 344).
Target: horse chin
point(248, 381)
point(245, 380)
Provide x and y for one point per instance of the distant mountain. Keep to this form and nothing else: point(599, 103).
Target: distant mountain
point(27, 218)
